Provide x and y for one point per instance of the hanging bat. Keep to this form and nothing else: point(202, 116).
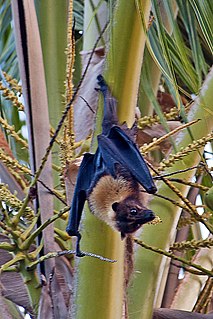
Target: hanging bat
point(111, 180)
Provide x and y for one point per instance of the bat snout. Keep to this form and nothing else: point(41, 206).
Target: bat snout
point(147, 216)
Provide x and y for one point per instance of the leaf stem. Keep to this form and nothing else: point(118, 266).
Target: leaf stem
point(171, 255)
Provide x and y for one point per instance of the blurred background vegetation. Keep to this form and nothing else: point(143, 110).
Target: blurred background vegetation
point(156, 57)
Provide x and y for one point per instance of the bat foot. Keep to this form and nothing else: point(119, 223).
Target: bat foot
point(101, 82)
point(79, 253)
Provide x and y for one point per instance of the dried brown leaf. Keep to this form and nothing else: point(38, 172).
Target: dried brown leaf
point(30, 56)
point(70, 175)
point(12, 284)
point(146, 135)
point(4, 145)
point(166, 101)
point(164, 313)
point(55, 297)
point(8, 309)
point(83, 116)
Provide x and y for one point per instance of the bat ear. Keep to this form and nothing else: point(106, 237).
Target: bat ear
point(123, 235)
point(115, 206)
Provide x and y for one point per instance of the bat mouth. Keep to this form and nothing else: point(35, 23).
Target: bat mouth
point(147, 217)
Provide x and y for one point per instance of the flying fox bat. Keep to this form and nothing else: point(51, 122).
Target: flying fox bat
point(111, 180)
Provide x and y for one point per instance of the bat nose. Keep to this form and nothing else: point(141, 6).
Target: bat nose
point(150, 213)
point(148, 216)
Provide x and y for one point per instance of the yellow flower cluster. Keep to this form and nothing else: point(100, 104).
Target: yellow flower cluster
point(10, 95)
point(12, 131)
point(154, 119)
point(13, 163)
point(13, 83)
point(12, 201)
point(192, 244)
point(194, 146)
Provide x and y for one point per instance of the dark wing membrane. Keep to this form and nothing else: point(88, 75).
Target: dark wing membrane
point(117, 147)
point(84, 180)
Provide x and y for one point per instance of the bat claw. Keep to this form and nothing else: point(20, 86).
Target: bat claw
point(80, 254)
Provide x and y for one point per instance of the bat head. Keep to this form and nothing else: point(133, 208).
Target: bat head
point(130, 215)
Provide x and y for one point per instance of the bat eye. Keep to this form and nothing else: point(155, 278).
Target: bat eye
point(133, 211)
